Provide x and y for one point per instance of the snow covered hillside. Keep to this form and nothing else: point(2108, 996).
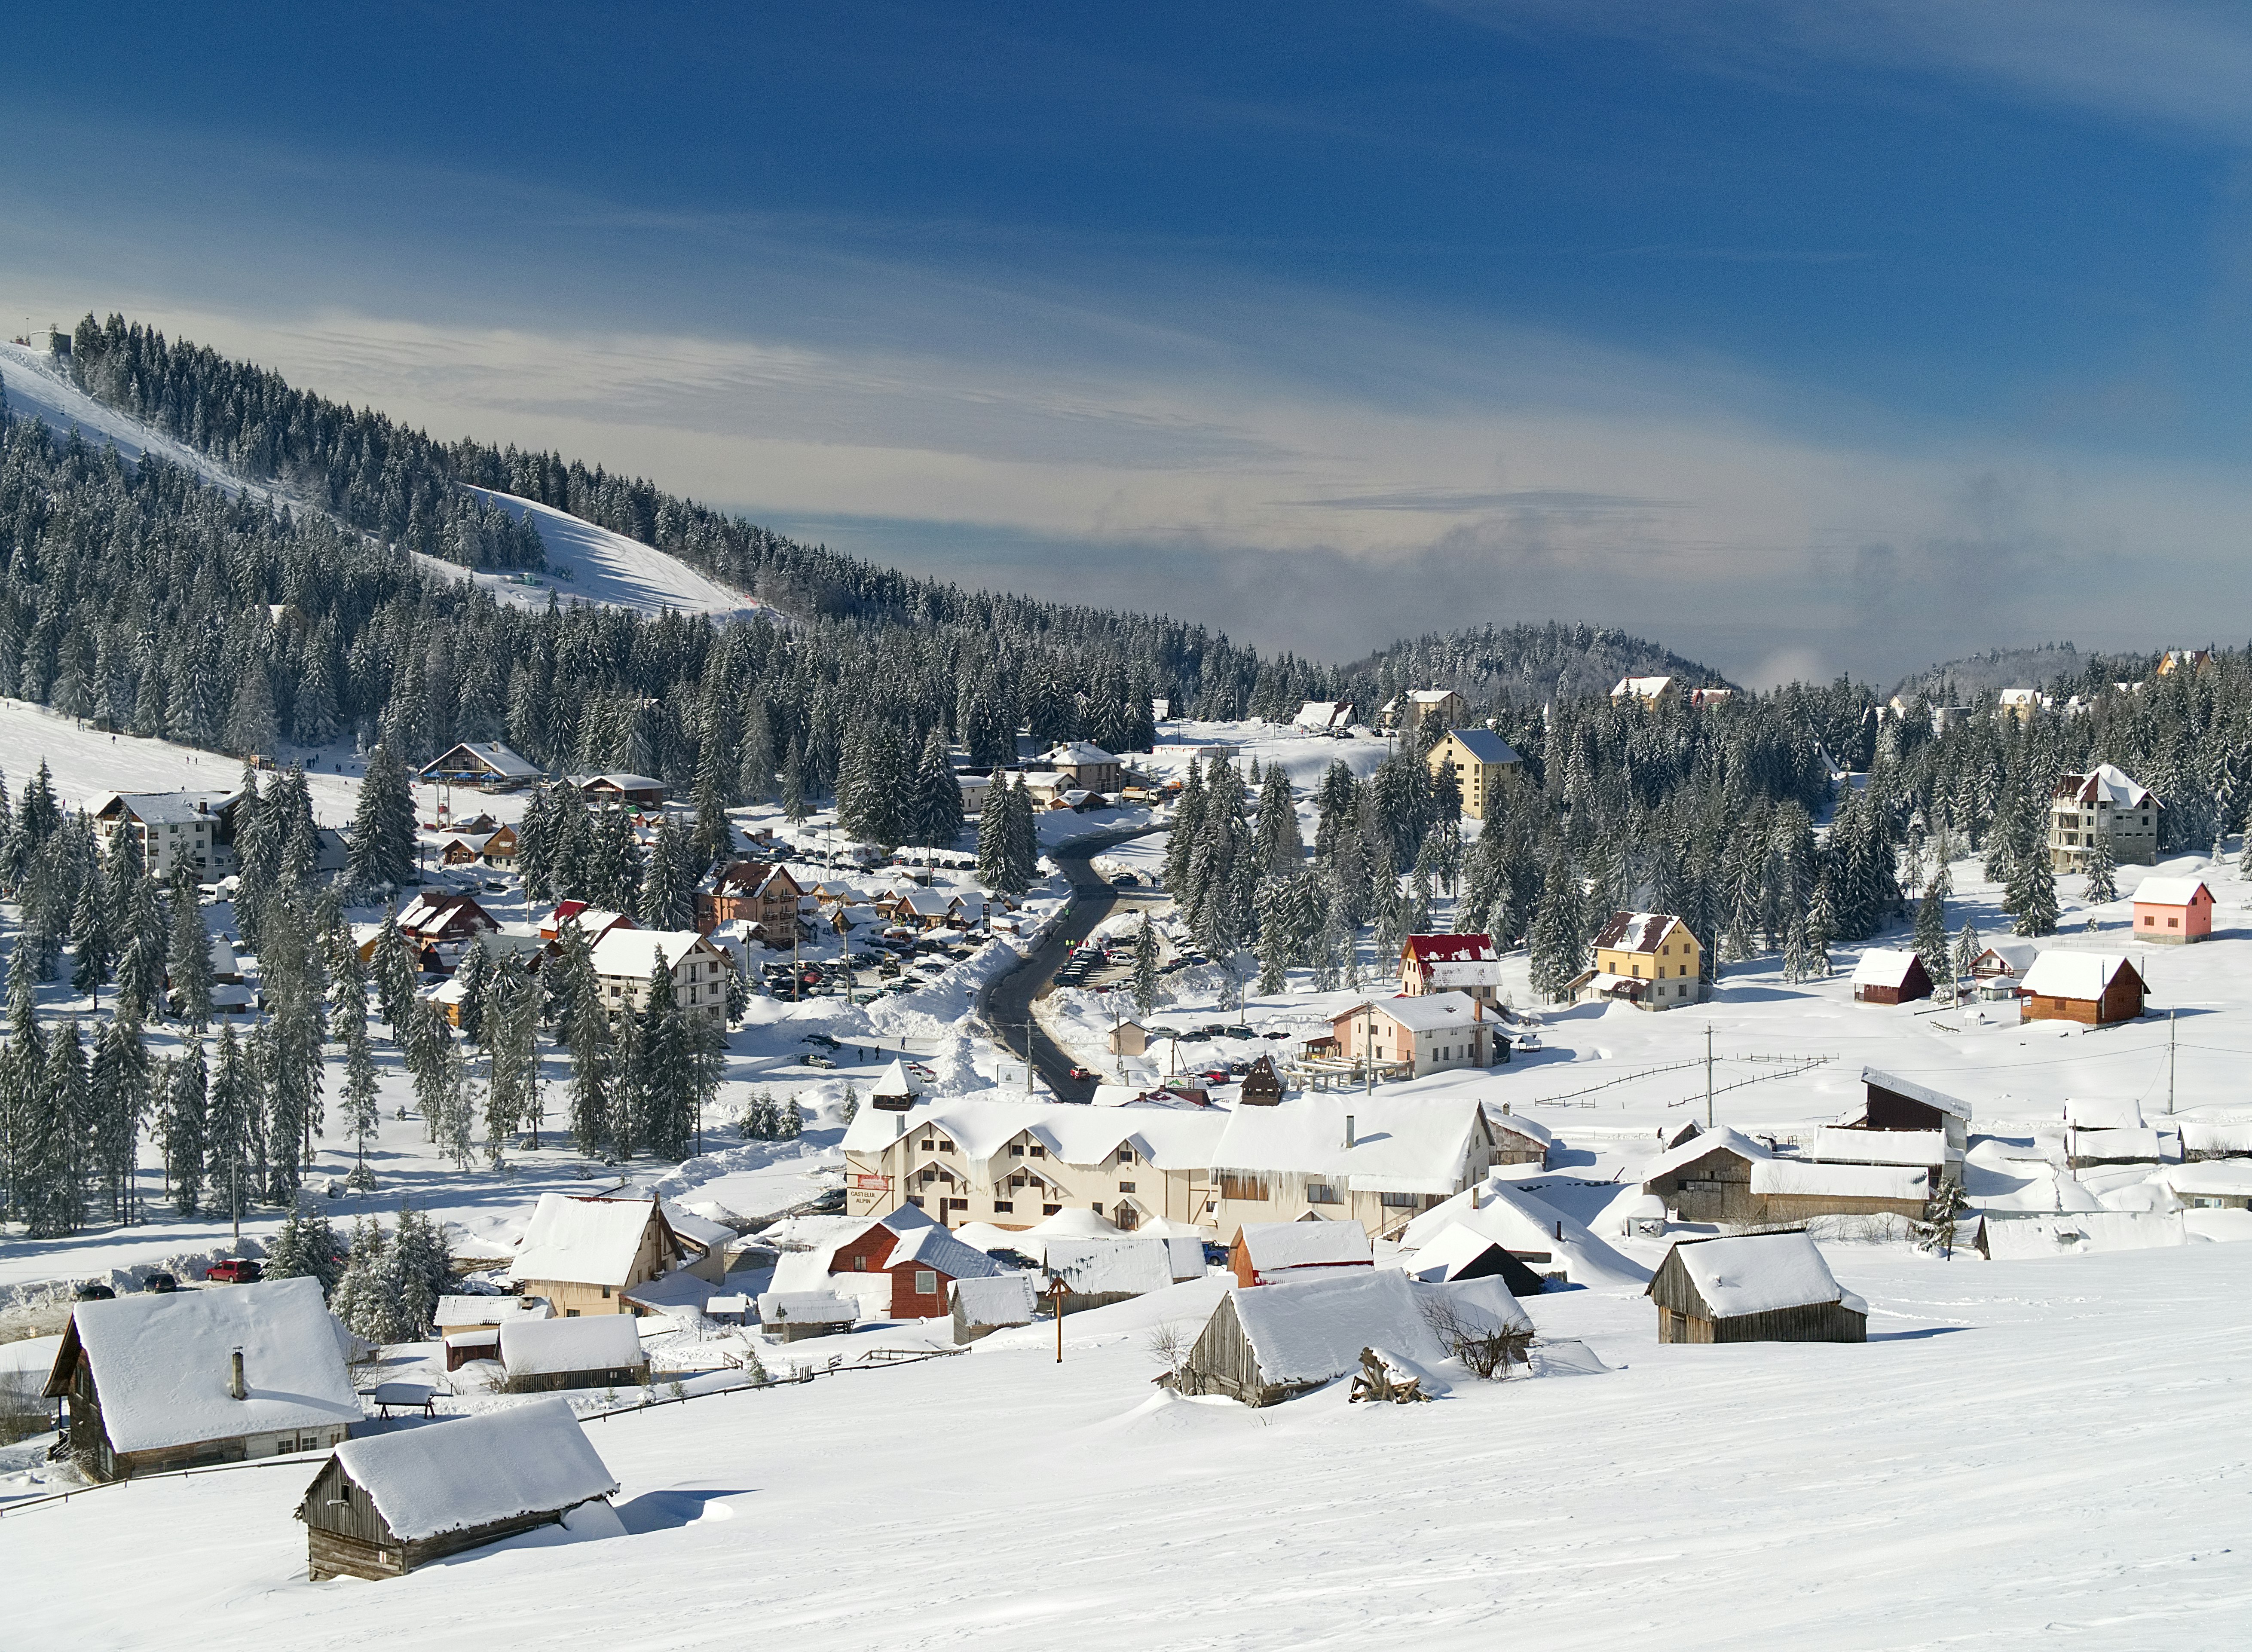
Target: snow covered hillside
point(86, 761)
point(586, 563)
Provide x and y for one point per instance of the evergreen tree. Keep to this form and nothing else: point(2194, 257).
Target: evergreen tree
point(937, 814)
point(362, 1109)
point(1282, 851)
point(231, 1130)
point(370, 1298)
point(1145, 966)
point(1932, 936)
point(382, 850)
point(186, 1125)
point(94, 945)
point(396, 974)
point(61, 1169)
point(1558, 928)
point(2030, 895)
point(713, 839)
point(187, 957)
point(119, 1085)
point(423, 1263)
point(2102, 870)
point(668, 890)
point(1968, 946)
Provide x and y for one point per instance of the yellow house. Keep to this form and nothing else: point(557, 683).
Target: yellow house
point(1647, 959)
point(584, 1254)
point(1480, 759)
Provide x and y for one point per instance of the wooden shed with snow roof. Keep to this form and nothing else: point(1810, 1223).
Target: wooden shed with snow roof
point(1754, 1287)
point(1266, 1251)
point(1890, 974)
point(543, 1354)
point(2089, 987)
point(383, 1505)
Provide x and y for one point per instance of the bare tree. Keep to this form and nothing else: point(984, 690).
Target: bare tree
point(1488, 1351)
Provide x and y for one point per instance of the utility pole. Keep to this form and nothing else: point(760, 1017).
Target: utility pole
point(1368, 1049)
point(2170, 1061)
point(1708, 1075)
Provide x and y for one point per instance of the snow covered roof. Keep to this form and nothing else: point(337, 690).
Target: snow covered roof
point(1517, 1124)
point(743, 877)
point(1273, 1246)
point(2206, 1136)
point(488, 1311)
point(1098, 1267)
point(1401, 1144)
point(1485, 745)
point(1432, 949)
point(1885, 967)
point(1697, 1147)
point(701, 1231)
point(1757, 1273)
point(2219, 1177)
point(618, 781)
point(2009, 958)
point(486, 756)
point(1455, 1247)
point(582, 1241)
point(471, 1471)
point(1311, 1331)
point(593, 1342)
point(1637, 930)
point(1080, 753)
point(2058, 974)
point(632, 953)
point(1883, 1080)
point(2131, 1145)
point(934, 1247)
point(804, 1308)
point(1322, 714)
point(1004, 1299)
point(2104, 783)
point(1646, 687)
point(163, 1362)
point(1836, 1146)
point(161, 809)
point(2170, 892)
point(1797, 1177)
point(2104, 1113)
point(432, 911)
point(1171, 1136)
point(1520, 1221)
point(1431, 1012)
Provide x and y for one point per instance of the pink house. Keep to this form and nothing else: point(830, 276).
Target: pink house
point(2173, 912)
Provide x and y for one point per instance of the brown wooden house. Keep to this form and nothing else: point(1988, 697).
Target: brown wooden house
point(763, 896)
point(2089, 987)
point(548, 1354)
point(383, 1505)
point(1754, 1287)
point(1888, 974)
point(1262, 1087)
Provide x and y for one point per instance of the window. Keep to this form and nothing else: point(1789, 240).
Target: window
point(1040, 1153)
point(1321, 1193)
point(1002, 1207)
point(957, 1204)
point(570, 1313)
point(1399, 1200)
point(926, 1282)
point(860, 1263)
point(1017, 1151)
point(1096, 1206)
point(2173, 923)
point(1051, 1209)
point(914, 1200)
point(2149, 922)
point(929, 1143)
point(1234, 1186)
point(1125, 1187)
point(605, 1293)
point(945, 1146)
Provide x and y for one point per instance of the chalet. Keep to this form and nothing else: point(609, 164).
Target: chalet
point(2196, 661)
point(1705, 698)
point(460, 850)
point(1450, 963)
point(2001, 967)
point(754, 892)
point(170, 830)
point(540, 1354)
point(983, 1306)
point(593, 922)
point(1269, 1343)
point(501, 848)
point(584, 1254)
point(1324, 717)
point(487, 765)
point(1437, 1032)
point(2089, 987)
point(793, 1315)
point(925, 909)
point(624, 959)
point(1518, 1140)
point(1756, 1287)
point(1480, 762)
point(1647, 690)
point(1268, 1253)
point(2022, 703)
point(161, 1381)
point(1014, 1164)
point(1419, 708)
point(1376, 1161)
point(1084, 768)
point(2104, 802)
point(1893, 1104)
point(1890, 974)
point(1459, 1251)
point(1095, 1273)
point(436, 919)
point(1646, 959)
point(382, 1506)
point(2173, 912)
point(634, 791)
point(1262, 1087)
point(900, 1267)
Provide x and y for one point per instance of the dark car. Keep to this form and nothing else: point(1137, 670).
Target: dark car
point(93, 1291)
point(160, 1283)
point(822, 1039)
point(235, 1270)
point(1238, 1031)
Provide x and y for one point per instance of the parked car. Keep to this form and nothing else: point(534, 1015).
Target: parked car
point(93, 1291)
point(819, 1061)
point(160, 1283)
point(235, 1270)
point(820, 1038)
point(921, 1071)
point(1081, 1073)
point(1215, 1075)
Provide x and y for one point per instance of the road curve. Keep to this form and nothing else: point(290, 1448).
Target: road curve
point(1007, 1003)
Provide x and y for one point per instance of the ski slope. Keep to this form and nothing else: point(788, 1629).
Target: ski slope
point(86, 761)
point(586, 563)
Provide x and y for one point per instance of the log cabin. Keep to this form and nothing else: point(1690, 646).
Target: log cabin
point(2089, 987)
point(543, 1354)
point(1754, 1287)
point(1890, 974)
point(383, 1505)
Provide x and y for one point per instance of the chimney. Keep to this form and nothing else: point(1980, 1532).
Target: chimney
point(1560, 1230)
point(1505, 1109)
point(234, 1386)
point(1348, 1129)
point(1476, 1189)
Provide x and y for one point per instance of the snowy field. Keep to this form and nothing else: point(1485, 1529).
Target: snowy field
point(2023, 1454)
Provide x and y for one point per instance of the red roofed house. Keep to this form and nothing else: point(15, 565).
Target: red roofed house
point(1450, 963)
point(752, 892)
point(593, 922)
point(2173, 912)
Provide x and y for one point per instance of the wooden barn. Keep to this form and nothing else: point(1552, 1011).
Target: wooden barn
point(1266, 1251)
point(793, 1315)
point(1896, 1103)
point(1518, 1140)
point(1095, 1273)
point(1273, 1343)
point(1262, 1087)
point(1888, 974)
point(382, 1506)
point(1756, 1288)
point(160, 1381)
point(543, 1354)
point(983, 1306)
point(1708, 1178)
point(2090, 988)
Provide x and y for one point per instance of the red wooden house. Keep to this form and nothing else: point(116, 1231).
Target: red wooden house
point(923, 1262)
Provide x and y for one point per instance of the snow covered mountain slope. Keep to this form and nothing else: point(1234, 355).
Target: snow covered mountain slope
point(586, 563)
point(85, 761)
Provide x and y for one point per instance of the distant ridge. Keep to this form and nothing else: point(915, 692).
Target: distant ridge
point(1524, 663)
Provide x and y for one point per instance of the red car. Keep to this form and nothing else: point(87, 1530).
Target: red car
point(235, 1270)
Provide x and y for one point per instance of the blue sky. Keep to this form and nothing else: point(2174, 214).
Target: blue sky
point(1804, 337)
